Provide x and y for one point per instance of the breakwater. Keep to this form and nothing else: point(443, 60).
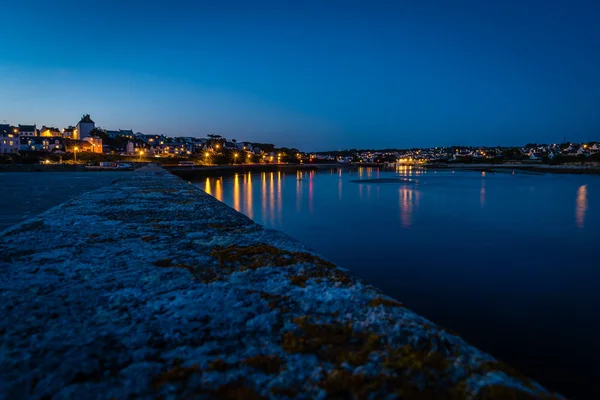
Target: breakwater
point(150, 288)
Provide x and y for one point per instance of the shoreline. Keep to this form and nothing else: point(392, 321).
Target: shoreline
point(543, 168)
point(191, 173)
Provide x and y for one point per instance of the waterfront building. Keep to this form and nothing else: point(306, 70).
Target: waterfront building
point(70, 132)
point(27, 130)
point(95, 144)
point(84, 127)
point(40, 143)
point(50, 131)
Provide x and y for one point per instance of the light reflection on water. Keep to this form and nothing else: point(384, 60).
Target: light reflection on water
point(238, 190)
point(219, 189)
point(482, 193)
point(299, 191)
point(409, 200)
point(581, 205)
point(249, 211)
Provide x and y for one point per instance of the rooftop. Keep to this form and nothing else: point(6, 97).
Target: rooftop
point(86, 119)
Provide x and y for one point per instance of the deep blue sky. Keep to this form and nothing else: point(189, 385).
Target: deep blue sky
point(348, 74)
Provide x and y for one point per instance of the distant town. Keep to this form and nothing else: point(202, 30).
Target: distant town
point(88, 144)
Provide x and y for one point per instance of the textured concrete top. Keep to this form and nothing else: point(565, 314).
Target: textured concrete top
point(150, 288)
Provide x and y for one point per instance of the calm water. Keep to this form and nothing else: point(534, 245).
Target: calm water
point(510, 261)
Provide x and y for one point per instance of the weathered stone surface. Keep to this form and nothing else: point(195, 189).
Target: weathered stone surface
point(150, 288)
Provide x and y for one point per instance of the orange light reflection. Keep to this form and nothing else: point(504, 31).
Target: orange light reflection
point(249, 209)
point(263, 196)
point(236, 193)
point(581, 205)
point(207, 186)
point(408, 200)
point(219, 189)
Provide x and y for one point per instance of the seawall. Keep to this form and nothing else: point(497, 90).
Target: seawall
point(149, 288)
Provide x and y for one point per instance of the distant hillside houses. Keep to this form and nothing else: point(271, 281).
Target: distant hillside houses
point(120, 133)
point(41, 143)
point(531, 152)
point(87, 137)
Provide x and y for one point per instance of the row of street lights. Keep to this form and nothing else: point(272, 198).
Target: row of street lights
point(235, 157)
point(206, 155)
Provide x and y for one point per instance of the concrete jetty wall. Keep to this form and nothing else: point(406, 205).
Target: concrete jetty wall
point(149, 288)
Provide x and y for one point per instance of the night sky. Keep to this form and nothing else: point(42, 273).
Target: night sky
point(349, 74)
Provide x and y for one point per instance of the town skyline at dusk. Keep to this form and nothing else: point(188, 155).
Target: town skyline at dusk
point(409, 75)
point(53, 130)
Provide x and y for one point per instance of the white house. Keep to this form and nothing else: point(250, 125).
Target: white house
point(27, 130)
point(84, 127)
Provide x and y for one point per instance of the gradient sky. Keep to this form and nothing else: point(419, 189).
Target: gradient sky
point(313, 76)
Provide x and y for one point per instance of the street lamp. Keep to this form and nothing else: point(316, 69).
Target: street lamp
point(235, 156)
point(75, 153)
point(141, 154)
